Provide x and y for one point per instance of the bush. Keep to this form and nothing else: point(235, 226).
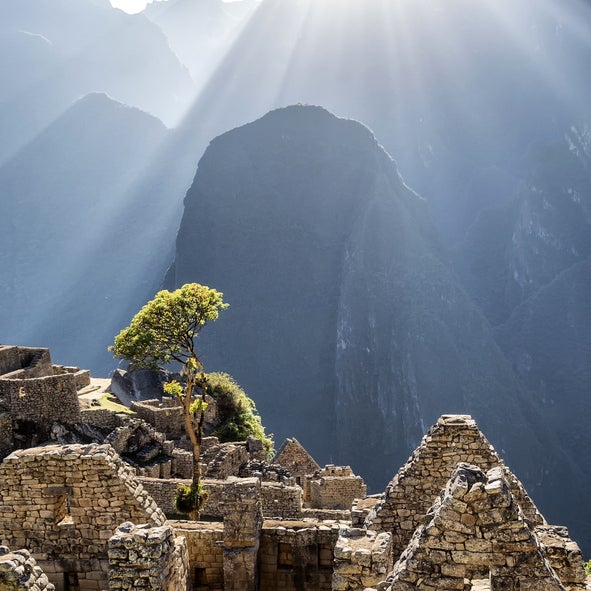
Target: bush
point(238, 414)
point(190, 498)
point(588, 568)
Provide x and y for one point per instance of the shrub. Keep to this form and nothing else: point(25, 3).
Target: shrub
point(238, 414)
point(190, 498)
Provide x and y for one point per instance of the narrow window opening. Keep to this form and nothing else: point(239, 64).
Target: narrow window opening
point(63, 513)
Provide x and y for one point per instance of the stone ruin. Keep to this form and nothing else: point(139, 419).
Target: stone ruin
point(19, 572)
point(435, 538)
point(410, 494)
point(292, 456)
point(475, 530)
point(79, 518)
point(33, 394)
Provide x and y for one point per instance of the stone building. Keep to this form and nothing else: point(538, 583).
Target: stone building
point(63, 503)
point(475, 530)
point(296, 459)
point(33, 393)
point(410, 494)
point(80, 518)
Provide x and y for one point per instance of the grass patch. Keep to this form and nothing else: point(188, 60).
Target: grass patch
point(109, 402)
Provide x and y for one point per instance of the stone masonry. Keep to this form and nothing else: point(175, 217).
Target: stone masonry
point(147, 558)
point(33, 394)
point(63, 503)
point(297, 460)
point(20, 572)
point(474, 530)
point(335, 487)
point(297, 555)
point(361, 559)
point(243, 520)
point(564, 556)
point(408, 497)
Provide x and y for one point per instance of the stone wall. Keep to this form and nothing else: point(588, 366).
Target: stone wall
point(103, 418)
point(342, 515)
point(81, 376)
point(166, 415)
point(25, 361)
point(564, 555)
point(227, 461)
point(280, 501)
point(164, 492)
point(453, 439)
point(297, 555)
point(361, 559)
point(147, 558)
point(6, 439)
point(243, 519)
point(63, 503)
point(335, 487)
point(297, 460)
point(206, 553)
point(182, 463)
point(19, 572)
point(474, 530)
point(42, 399)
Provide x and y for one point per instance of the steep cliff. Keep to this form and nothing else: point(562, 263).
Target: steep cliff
point(513, 251)
point(346, 323)
point(548, 340)
point(454, 89)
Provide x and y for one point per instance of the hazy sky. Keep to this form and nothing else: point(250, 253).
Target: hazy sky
point(133, 6)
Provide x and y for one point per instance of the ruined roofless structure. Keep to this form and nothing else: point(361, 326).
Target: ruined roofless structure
point(410, 494)
point(79, 518)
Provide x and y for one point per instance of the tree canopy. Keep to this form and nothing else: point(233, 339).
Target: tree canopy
point(163, 331)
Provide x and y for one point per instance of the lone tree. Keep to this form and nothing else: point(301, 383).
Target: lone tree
point(164, 332)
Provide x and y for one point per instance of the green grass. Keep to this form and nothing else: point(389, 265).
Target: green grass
point(108, 401)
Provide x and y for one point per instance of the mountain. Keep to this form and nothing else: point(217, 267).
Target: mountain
point(86, 231)
point(548, 340)
point(513, 251)
point(454, 89)
point(61, 50)
point(346, 322)
point(200, 31)
point(527, 265)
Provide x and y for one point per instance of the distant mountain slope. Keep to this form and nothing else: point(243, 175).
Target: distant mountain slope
point(200, 31)
point(548, 340)
point(528, 266)
point(61, 50)
point(80, 248)
point(346, 323)
point(513, 251)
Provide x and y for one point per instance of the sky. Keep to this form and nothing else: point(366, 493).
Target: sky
point(134, 6)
